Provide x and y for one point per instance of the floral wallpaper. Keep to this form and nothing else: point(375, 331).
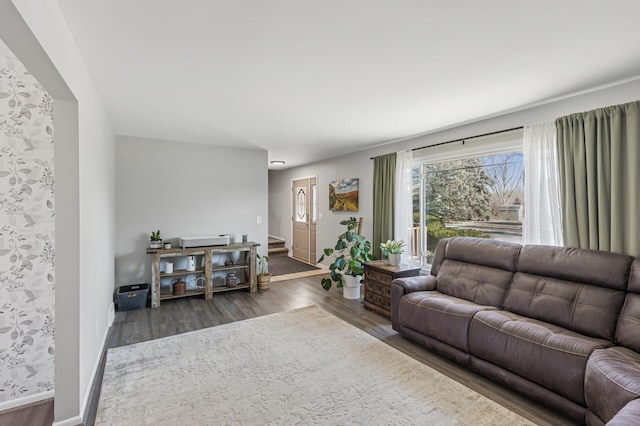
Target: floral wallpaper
point(27, 250)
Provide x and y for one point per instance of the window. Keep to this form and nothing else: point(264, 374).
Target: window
point(472, 191)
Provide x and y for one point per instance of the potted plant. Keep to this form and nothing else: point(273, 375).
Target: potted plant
point(156, 241)
point(392, 249)
point(349, 254)
point(264, 277)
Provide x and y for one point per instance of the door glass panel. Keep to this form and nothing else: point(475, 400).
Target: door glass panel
point(301, 204)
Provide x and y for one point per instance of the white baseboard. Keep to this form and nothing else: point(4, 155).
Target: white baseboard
point(73, 421)
point(30, 399)
point(110, 317)
point(321, 266)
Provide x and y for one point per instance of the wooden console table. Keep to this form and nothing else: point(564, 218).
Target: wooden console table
point(378, 275)
point(210, 266)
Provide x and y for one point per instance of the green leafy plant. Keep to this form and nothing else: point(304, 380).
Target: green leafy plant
point(349, 254)
point(155, 235)
point(392, 247)
point(263, 265)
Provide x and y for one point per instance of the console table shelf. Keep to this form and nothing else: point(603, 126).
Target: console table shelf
point(244, 254)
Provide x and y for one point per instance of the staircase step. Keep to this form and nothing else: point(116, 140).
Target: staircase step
point(278, 251)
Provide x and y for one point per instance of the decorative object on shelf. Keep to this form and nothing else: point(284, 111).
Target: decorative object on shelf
point(179, 287)
point(191, 263)
point(343, 195)
point(264, 277)
point(156, 241)
point(168, 267)
point(393, 250)
point(201, 282)
point(245, 238)
point(350, 253)
point(228, 262)
point(167, 245)
point(232, 279)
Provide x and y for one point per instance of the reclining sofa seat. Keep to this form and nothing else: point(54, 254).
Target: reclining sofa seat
point(559, 305)
point(468, 276)
point(612, 378)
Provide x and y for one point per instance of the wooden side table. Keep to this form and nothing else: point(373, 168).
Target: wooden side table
point(377, 284)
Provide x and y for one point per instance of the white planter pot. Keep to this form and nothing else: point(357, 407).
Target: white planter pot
point(394, 259)
point(351, 286)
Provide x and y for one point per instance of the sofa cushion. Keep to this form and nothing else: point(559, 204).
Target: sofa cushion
point(481, 251)
point(578, 289)
point(628, 416)
point(439, 316)
point(586, 309)
point(480, 284)
point(438, 256)
point(546, 354)
point(612, 379)
point(628, 331)
point(599, 268)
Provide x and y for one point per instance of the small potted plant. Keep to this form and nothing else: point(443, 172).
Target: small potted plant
point(349, 253)
point(392, 249)
point(156, 241)
point(264, 277)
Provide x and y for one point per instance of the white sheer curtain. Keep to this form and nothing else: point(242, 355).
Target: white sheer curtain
point(543, 219)
point(403, 209)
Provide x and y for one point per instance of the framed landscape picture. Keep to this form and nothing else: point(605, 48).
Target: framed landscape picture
point(343, 195)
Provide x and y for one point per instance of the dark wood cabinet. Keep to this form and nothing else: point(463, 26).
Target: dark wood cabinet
point(377, 284)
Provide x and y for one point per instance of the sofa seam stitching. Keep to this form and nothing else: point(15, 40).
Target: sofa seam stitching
point(530, 341)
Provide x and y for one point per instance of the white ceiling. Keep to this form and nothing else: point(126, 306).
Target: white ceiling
point(308, 80)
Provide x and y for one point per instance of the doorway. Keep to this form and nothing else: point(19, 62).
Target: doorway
point(304, 200)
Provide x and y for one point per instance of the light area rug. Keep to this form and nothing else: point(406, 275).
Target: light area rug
point(299, 367)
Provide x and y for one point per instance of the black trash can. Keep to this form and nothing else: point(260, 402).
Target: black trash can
point(133, 296)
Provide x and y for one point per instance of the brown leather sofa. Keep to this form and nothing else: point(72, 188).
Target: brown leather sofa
point(561, 325)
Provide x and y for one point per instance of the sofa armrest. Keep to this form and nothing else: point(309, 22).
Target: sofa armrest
point(402, 286)
point(628, 416)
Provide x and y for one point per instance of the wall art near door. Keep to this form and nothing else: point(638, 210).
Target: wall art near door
point(343, 195)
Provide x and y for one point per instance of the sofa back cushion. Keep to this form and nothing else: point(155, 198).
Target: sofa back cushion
point(628, 331)
point(478, 270)
point(578, 289)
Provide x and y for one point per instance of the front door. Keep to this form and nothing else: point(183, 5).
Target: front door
point(301, 219)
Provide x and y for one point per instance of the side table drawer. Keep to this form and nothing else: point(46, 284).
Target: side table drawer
point(377, 276)
point(378, 288)
point(377, 300)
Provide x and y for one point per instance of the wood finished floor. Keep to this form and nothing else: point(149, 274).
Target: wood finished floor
point(188, 314)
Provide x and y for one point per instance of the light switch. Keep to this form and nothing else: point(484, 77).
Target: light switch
point(259, 219)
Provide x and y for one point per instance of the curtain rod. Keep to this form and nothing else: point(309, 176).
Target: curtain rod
point(470, 137)
point(463, 139)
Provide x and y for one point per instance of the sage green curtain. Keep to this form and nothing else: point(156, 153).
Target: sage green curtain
point(384, 182)
point(599, 164)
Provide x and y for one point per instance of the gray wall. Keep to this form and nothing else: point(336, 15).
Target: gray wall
point(360, 165)
point(350, 166)
point(184, 189)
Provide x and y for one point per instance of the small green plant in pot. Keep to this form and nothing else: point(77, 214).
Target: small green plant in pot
point(156, 241)
point(349, 254)
point(264, 277)
point(392, 249)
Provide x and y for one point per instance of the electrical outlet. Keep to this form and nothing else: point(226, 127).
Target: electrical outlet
point(259, 219)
